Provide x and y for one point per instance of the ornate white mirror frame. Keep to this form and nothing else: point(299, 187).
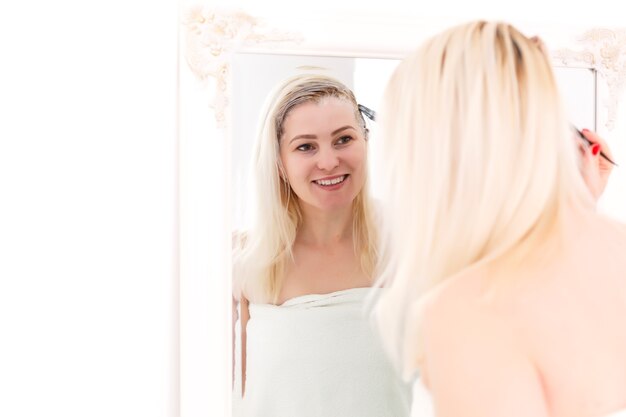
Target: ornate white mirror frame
point(209, 38)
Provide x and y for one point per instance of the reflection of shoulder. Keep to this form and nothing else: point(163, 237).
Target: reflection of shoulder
point(239, 239)
point(377, 211)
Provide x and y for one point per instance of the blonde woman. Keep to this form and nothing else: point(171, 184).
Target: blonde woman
point(507, 289)
point(305, 267)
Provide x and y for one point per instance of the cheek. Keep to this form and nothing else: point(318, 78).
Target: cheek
point(292, 169)
point(357, 158)
point(284, 167)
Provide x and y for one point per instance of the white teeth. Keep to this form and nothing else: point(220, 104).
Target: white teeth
point(332, 182)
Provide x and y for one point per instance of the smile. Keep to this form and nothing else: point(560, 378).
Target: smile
point(332, 181)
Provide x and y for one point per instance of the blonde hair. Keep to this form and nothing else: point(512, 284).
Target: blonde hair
point(480, 162)
point(261, 255)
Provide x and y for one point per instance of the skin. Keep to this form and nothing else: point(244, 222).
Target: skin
point(323, 141)
point(595, 169)
point(521, 333)
point(320, 141)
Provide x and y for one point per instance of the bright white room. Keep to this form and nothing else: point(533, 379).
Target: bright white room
point(123, 162)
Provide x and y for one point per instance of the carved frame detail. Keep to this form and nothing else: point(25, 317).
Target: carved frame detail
point(212, 35)
point(604, 50)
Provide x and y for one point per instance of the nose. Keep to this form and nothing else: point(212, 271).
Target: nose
point(328, 159)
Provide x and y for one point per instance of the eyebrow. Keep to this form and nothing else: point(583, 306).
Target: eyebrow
point(334, 132)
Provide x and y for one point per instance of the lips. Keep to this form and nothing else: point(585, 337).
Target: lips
point(328, 182)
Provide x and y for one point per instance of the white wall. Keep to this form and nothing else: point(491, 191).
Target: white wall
point(88, 211)
point(88, 255)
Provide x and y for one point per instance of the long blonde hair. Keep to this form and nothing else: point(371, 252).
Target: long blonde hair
point(261, 253)
point(479, 162)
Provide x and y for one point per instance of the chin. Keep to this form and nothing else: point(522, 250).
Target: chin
point(335, 205)
point(329, 202)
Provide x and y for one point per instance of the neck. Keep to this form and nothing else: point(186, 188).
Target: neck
point(324, 227)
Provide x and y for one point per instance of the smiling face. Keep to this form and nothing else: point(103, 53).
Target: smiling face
point(324, 153)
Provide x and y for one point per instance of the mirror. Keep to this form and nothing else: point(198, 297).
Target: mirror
point(254, 75)
point(213, 49)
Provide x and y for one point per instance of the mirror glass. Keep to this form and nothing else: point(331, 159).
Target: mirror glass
point(254, 76)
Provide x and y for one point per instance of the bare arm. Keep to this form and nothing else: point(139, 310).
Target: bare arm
point(235, 316)
point(239, 303)
point(245, 315)
point(243, 321)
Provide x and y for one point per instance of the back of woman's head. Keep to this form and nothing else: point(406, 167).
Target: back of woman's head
point(478, 152)
point(275, 207)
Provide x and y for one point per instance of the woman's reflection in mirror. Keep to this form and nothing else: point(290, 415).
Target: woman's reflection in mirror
point(303, 269)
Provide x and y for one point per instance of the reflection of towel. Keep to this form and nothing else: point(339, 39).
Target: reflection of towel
point(422, 402)
point(318, 355)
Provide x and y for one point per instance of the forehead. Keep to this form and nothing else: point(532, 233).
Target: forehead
point(323, 116)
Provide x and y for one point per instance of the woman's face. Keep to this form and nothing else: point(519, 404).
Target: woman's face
point(324, 153)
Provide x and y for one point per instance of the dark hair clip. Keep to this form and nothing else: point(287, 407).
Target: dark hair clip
point(367, 112)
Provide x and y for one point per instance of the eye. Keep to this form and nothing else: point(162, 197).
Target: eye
point(305, 147)
point(343, 140)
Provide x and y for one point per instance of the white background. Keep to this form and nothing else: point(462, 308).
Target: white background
point(88, 252)
point(89, 219)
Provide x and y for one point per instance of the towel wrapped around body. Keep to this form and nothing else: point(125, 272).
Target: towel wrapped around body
point(318, 355)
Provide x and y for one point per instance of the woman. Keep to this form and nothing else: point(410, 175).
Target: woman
point(306, 265)
point(507, 289)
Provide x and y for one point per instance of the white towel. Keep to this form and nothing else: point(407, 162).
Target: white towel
point(318, 355)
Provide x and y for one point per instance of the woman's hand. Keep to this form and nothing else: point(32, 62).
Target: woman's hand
point(595, 168)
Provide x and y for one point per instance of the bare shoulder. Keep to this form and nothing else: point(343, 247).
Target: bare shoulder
point(446, 312)
point(613, 225)
point(464, 292)
point(473, 361)
point(458, 307)
point(618, 231)
point(607, 240)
